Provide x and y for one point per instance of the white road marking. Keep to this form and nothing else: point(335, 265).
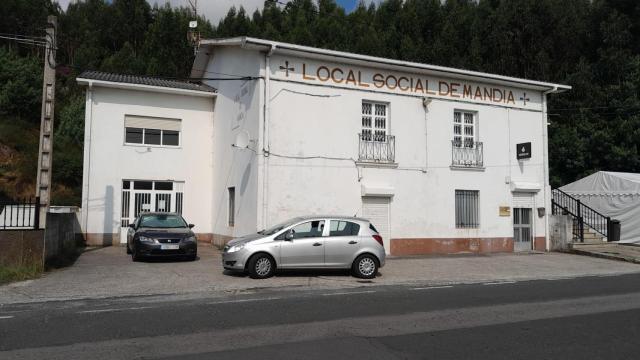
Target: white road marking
point(5, 317)
point(349, 293)
point(111, 310)
point(241, 300)
point(499, 283)
point(559, 278)
point(433, 287)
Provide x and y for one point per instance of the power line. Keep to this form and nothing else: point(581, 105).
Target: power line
point(25, 41)
point(597, 108)
point(22, 36)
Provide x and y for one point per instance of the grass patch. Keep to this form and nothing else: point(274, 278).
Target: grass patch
point(18, 273)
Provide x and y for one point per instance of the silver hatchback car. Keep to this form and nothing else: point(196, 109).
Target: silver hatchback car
point(312, 242)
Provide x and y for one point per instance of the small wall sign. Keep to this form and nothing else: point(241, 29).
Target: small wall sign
point(523, 151)
point(505, 211)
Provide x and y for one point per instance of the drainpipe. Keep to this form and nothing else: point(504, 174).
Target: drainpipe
point(265, 134)
point(545, 155)
point(87, 158)
point(426, 101)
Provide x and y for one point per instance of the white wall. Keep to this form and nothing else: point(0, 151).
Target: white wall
point(309, 120)
point(108, 161)
point(315, 120)
point(238, 110)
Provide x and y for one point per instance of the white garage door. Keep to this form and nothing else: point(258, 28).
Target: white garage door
point(376, 209)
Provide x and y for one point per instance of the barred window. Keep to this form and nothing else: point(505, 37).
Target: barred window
point(464, 133)
point(375, 121)
point(467, 209)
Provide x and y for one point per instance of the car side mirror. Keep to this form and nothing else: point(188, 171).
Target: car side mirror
point(289, 235)
point(191, 226)
point(132, 225)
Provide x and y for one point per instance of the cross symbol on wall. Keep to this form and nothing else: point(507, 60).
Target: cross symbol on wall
point(287, 68)
point(524, 98)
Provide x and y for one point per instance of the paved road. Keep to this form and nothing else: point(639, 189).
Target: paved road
point(109, 272)
point(582, 318)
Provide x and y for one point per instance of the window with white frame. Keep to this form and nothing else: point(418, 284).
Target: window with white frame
point(464, 128)
point(375, 121)
point(151, 131)
point(467, 208)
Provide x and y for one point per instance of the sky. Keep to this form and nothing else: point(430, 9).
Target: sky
point(214, 10)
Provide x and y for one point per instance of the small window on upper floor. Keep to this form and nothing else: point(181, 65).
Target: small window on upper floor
point(464, 129)
point(375, 121)
point(152, 131)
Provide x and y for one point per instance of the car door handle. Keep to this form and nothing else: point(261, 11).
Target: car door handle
point(317, 244)
point(352, 242)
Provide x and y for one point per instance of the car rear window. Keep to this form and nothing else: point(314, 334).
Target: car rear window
point(373, 228)
point(343, 228)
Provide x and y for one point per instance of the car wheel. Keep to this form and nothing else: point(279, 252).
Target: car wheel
point(134, 254)
point(261, 266)
point(192, 257)
point(365, 266)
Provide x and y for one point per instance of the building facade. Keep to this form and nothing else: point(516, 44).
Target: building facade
point(440, 160)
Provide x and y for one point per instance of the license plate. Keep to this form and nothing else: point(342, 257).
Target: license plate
point(170, 246)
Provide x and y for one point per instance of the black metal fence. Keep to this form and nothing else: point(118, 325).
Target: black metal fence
point(20, 214)
point(467, 154)
point(563, 203)
point(377, 148)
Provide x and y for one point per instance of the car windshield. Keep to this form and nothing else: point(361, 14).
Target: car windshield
point(275, 229)
point(162, 221)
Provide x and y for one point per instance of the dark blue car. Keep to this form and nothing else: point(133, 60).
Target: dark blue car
point(159, 234)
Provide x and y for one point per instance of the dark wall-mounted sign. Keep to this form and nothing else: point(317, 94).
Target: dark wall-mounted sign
point(523, 151)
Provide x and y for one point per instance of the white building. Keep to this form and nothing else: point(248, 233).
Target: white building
point(441, 160)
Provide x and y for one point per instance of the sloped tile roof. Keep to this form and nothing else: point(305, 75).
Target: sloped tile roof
point(146, 80)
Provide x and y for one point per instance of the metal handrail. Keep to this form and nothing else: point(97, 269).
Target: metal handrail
point(582, 214)
point(468, 156)
point(20, 214)
point(377, 148)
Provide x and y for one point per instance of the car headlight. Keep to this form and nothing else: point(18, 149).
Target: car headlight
point(235, 248)
point(147, 240)
point(191, 239)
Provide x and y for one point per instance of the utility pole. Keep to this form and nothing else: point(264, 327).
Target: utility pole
point(194, 35)
point(45, 153)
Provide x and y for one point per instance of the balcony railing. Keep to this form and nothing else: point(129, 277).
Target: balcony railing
point(468, 154)
point(377, 148)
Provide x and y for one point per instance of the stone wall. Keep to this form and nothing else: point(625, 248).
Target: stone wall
point(61, 238)
point(22, 248)
point(560, 227)
point(62, 235)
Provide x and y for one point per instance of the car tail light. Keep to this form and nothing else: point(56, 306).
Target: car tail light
point(378, 238)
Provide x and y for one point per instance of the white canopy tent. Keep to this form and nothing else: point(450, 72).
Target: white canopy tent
point(614, 194)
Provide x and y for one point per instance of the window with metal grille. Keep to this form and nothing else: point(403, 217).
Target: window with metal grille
point(232, 206)
point(375, 121)
point(464, 132)
point(467, 209)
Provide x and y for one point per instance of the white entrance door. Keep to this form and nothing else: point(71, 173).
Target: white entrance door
point(376, 209)
point(145, 196)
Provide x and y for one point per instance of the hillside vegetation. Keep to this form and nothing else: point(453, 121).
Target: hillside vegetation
point(592, 45)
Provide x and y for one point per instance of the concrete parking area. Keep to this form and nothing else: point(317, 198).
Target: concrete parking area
point(109, 272)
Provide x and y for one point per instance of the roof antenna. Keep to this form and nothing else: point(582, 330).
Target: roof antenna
point(194, 35)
